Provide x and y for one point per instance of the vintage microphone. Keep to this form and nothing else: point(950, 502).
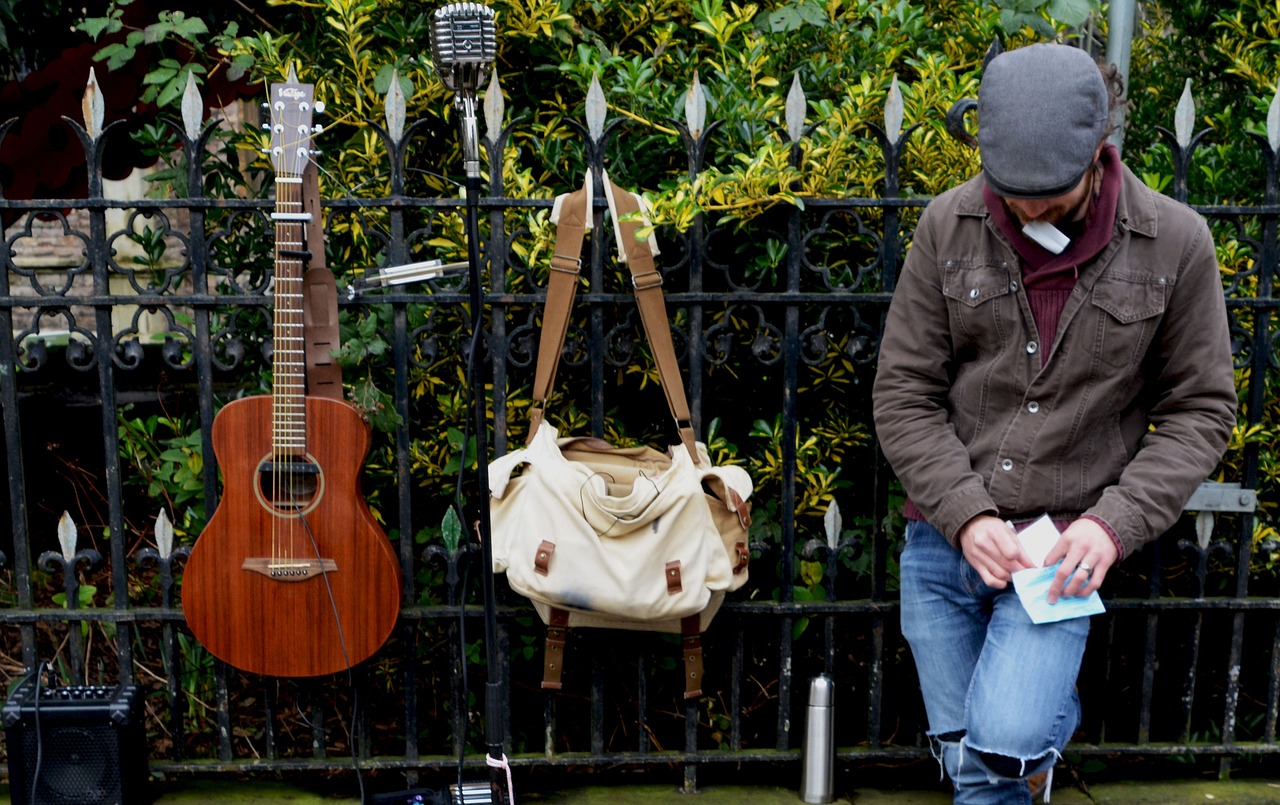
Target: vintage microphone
point(464, 41)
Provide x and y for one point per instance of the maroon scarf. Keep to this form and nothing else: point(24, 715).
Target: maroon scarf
point(1045, 270)
point(1048, 277)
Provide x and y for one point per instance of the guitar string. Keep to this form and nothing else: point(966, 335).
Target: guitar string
point(289, 439)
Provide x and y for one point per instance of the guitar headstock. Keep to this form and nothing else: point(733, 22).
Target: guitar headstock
point(291, 106)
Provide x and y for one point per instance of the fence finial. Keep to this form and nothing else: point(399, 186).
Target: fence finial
point(1184, 117)
point(893, 110)
point(597, 108)
point(832, 523)
point(1273, 122)
point(192, 108)
point(795, 109)
point(494, 107)
point(164, 535)
point(695, 108)
point(394, 108)
point(67, 537)
point(91, 106)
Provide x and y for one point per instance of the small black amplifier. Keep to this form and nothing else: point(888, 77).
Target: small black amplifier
point(75, 745)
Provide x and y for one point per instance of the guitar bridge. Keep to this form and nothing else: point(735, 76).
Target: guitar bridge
point(289, 569)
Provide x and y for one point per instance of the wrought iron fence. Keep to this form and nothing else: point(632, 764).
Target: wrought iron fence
point(1169, 671)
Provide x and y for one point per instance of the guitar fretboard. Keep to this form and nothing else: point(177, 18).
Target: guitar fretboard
point(289, 426)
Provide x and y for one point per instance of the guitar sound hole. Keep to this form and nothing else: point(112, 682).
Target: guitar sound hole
point(289, 485)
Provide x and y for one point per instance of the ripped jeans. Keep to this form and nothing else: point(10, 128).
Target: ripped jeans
point(999, 690)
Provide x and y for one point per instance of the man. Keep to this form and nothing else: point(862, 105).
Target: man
point(1077, 367)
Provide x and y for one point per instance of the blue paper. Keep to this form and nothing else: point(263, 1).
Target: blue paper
point(1032, 586)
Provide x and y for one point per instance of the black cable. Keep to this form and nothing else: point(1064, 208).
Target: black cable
point(459, 505)
point(35, 774)
point(35, 672)
point(342, 641)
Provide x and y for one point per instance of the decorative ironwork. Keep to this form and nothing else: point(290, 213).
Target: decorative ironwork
point(186, 323)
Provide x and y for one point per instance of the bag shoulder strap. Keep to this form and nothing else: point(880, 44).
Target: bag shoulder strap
point(647, 281)
point(562, 287)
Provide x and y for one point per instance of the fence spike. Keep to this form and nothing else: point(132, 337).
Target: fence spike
point(394, 108)
point(67, 537)
point(91, 106)
point(695, 108)
point(795, 109)
point(192, 108)
point(1184, 117)
point(164, 535)
point(832, 522)
point(893, 111)
point(597, 108)
point(494, 107)
point(1273, 122)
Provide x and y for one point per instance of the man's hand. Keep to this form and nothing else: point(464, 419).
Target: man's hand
point(993, 549)
point(1086, 553)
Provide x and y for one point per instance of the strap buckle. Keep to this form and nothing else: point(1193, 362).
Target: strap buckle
point(646, 280)
point(566, 264)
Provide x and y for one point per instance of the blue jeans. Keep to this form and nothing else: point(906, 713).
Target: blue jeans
point(999, 690)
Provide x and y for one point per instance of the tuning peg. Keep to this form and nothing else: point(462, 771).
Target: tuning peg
point(319, 107)
point(317, 128)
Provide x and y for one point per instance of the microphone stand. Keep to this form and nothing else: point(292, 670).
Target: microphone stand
point(465, 102)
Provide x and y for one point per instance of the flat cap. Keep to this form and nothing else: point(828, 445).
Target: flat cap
point(1042, 111)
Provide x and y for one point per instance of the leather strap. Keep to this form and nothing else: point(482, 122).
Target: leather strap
point(692, 638)
point(674, 585)
point(542, 557)
point(319, 299)
point(562, 287)
point(553, 652)
point(647, 281)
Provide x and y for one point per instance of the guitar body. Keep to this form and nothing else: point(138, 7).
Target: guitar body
point(292, 576)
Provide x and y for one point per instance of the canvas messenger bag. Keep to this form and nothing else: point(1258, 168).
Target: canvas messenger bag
point(624, 538)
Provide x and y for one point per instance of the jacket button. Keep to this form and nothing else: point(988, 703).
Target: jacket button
point(1032, 347)
point(973, 293)
point(1033, 407)
point(1013, 286)
point(1006, 465)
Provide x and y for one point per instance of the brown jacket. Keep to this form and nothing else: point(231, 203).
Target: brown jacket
point(1132, 409)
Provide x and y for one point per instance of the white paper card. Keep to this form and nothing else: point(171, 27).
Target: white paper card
point(1032, 584)
point(1038, 538)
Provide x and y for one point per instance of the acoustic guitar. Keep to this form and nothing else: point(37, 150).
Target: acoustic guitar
point(292, 576)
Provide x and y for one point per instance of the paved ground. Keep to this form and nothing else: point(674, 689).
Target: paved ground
point(1250, 792)
point(1182, 792)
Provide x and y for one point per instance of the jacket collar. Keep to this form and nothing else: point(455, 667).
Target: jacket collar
point(1135, 209)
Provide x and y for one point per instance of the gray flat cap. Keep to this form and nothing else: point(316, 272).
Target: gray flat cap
point(1042, 110)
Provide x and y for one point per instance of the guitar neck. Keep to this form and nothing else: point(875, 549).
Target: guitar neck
point(289, 426)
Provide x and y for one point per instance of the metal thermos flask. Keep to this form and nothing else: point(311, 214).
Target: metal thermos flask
point(818, 759)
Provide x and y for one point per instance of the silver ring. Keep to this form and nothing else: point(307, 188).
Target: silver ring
point(1086, 567)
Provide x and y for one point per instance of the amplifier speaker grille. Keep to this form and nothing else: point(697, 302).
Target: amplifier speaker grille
point(89, 743)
